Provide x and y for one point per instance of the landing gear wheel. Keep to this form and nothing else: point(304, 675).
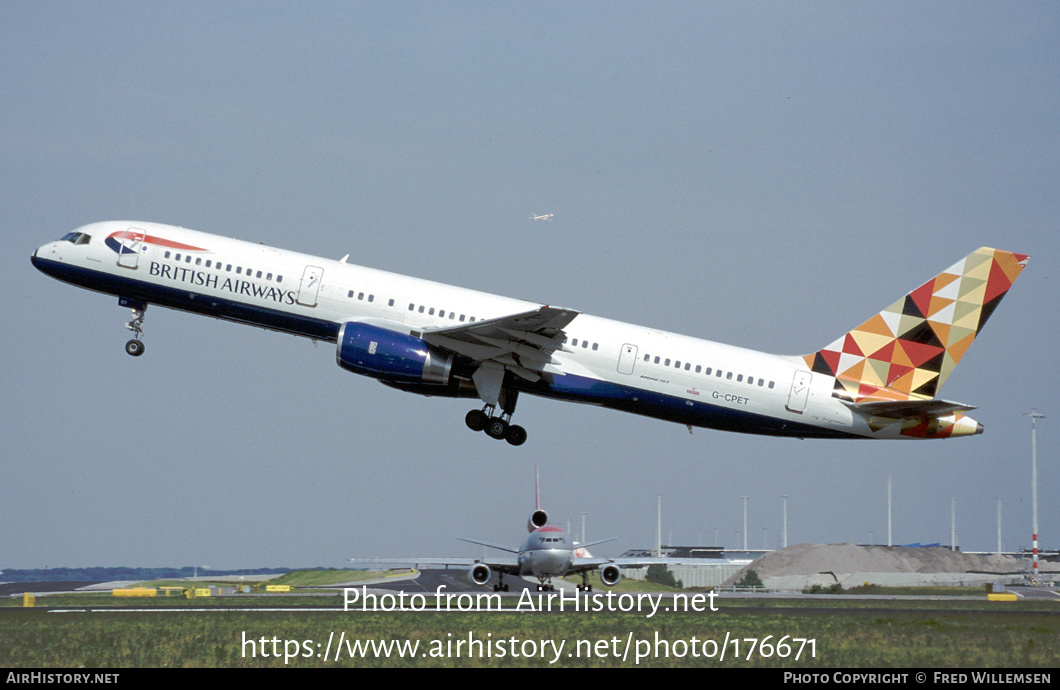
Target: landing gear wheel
point(497, 428)
point(515, 435)
point(135, 347)
point(476, 420)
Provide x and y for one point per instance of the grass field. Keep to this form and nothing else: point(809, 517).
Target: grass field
point(751, 632)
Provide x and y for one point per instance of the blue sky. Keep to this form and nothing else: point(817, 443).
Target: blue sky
point(767, 175)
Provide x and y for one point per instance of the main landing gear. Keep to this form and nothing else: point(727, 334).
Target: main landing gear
point(135, 347)
point(499, 427)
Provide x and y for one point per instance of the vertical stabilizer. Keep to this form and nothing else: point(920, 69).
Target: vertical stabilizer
point(537, 487)
point(909, 349)
point(538, 518)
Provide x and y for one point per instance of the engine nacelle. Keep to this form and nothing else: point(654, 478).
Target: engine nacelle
point(390, 356)
point(479, 574)
point(538, 519)
point(610, 574)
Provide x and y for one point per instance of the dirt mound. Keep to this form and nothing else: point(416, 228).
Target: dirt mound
point(803, 565)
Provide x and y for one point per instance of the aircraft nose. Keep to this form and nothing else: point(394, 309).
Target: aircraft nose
point(43, 254)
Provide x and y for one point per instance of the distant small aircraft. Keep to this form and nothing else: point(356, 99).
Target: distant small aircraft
point(544, 216)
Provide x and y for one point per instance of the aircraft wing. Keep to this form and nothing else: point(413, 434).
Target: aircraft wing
point(901, 409)
point(522, 343)
point(500, 547)
point(508, 566)
point(580, 565)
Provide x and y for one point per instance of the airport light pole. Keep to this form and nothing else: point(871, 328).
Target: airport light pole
point(1033, 414)
point(785, 539)
point(658, 530)
point(889, 541)
point(744, 522)
point(998, 525)
point(953, 523)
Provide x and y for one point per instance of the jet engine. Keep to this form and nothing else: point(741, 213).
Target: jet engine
point(479, 574)
point(390, 356)
point(610, 574)
point(538, 518)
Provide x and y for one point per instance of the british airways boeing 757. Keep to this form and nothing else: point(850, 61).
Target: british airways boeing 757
point(880, 380)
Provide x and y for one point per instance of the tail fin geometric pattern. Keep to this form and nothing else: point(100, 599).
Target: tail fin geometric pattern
point(909, 349)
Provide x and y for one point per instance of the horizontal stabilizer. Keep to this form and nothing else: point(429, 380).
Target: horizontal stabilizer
point(902, 409)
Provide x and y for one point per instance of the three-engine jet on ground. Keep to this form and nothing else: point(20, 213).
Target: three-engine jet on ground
point(877, 381)
point(548, 552)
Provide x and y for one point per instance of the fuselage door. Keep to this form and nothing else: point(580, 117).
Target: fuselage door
point(310, 287)
point(627, 358)
point(800, 391)
point(130, 245)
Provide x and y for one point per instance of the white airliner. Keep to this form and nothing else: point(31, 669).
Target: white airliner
point(543, 216)
point(877, 381)
point(547, 553)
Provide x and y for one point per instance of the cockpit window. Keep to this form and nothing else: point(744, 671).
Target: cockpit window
point(77, 238)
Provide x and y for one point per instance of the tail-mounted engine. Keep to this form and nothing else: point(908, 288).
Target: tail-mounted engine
point(390, 356)
point(610, 574)
point(479, 574)
point(538, 519)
